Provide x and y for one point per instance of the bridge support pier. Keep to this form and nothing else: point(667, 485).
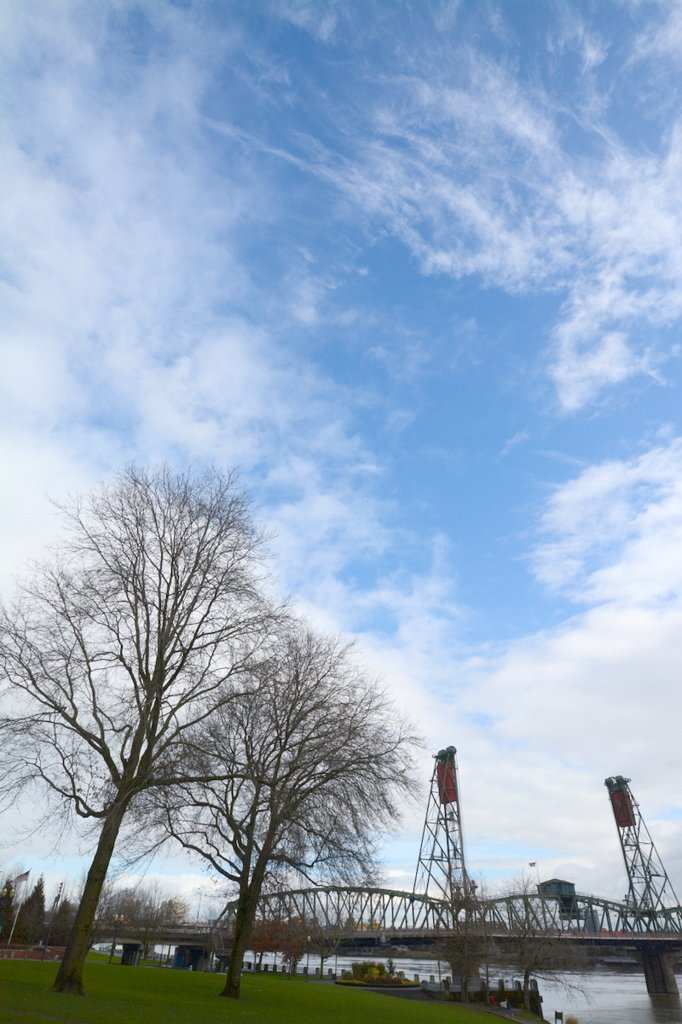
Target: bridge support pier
point(659, 970)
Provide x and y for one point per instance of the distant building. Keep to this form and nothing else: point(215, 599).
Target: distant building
point(564, 892)
point(556, 887)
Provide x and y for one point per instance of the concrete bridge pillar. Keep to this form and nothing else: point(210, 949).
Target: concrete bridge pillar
point(659, 973)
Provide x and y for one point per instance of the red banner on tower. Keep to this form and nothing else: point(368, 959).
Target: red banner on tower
point(622, 808)
point(447, 789)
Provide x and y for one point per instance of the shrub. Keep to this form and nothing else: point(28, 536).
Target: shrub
point(367, 969)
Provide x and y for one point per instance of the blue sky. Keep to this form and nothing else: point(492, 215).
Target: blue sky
point(416, 269)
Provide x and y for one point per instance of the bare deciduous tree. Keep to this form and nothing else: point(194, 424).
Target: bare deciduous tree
point(137, 629)
point(293, 938)
point(535, 947)
point(465, 948)
point(324, 941)
point(144, 912)
point(319, 757)
point(265, 938)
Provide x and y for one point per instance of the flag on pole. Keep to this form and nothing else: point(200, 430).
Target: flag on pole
point(532, 863)
point(19, 878)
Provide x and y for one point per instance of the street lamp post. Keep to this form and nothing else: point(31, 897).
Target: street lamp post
point(55, 907)
point(117, 920)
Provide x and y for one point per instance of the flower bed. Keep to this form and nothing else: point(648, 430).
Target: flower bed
point(369, 974)
point(384, 982)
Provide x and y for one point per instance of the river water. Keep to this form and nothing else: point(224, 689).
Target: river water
point(610, 998)
point(599, 997)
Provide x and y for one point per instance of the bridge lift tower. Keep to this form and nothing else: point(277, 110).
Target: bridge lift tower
point(441, 871)
point(649, 888)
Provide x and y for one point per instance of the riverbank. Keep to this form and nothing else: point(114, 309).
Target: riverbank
point(148, 996)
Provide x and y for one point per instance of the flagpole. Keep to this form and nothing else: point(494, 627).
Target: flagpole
point(534, 864)
point(17, 881)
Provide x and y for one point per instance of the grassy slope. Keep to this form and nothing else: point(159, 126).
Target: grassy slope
point(129, 995)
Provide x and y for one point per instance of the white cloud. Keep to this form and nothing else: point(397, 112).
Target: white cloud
point(541, 722)
point(468, 167)
point(518, 438)
point(662, 36)
point(600, 694)
point(319, 17)
point(615, 531)
point(566, 708)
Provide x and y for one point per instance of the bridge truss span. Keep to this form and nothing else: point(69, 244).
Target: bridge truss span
point(353, 912)
point(578, 915)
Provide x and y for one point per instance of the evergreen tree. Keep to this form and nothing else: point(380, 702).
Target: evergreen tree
point(31, 920)
point(61, 925)
point(7, 909)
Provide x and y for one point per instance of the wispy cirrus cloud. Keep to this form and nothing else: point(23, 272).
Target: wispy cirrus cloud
point(479, 172)
point(482, 186)
point(476, 169)
point(318, 18)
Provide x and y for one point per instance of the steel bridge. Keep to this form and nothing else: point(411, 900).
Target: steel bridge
point(444, 898)
point(357, 912)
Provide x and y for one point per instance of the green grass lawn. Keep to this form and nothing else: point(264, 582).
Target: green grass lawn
point(139, 995)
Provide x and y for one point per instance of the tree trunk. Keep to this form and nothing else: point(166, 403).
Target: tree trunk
point(246, 911)
point(292, 968)
point(243, 924)
point(526, 990)
point(70, 975)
